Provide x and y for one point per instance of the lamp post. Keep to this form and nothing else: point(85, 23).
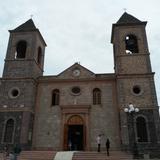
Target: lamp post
point(131, 110)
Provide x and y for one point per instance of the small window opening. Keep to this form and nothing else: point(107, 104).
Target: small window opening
point(131, 44)
point(21, 49)
point(96, 96)
point(9, 131)
point(55, 97)
point(76, 90)
point(136, 90)
point(39, 58)
point(15, 92)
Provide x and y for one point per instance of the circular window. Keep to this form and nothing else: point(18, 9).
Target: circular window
point(76, 90)
point(136, 90)
point(14, 93)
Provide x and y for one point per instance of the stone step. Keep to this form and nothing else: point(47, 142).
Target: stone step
point(79, 155)
point(37, 155)
point(101, 156)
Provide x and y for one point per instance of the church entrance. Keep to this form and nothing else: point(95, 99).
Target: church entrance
point(75, 137)
point(74, 133)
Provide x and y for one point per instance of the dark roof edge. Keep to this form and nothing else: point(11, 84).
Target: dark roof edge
point(130, 24)
point(29, 30)
point(128, 18)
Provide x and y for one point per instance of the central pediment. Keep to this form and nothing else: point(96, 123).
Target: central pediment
point(76, 71)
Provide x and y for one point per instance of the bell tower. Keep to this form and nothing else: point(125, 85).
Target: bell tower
point(25, 53)
point(24, 63)
point(131, 54)
point(135, 82)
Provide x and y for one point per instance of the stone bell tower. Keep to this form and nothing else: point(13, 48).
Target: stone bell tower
point(23, 64)
point(25, 53)
point(135, 83)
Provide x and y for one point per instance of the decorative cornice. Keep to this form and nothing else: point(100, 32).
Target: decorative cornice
point(9, 109)
point(75, 109)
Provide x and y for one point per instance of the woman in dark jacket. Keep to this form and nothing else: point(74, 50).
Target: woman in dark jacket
point(107, 146)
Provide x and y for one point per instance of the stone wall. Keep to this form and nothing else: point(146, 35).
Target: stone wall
point(100, 116)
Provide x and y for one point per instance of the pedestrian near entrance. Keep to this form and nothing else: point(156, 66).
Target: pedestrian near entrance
point(99, 143)
point(107, 146)
point(11, 156)
point(70, 145)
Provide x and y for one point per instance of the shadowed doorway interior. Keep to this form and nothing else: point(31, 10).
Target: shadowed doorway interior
point(74, 133)
point(75, 137)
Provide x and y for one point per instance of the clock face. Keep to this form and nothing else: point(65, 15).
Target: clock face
point(76, 72)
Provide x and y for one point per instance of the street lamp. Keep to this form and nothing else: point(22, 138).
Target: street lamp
point(131, 110)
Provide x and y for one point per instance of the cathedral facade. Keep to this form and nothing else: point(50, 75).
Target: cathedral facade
point(69, 110)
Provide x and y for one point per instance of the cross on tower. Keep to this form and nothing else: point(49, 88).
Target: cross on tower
point(31, 16)
point(125, 9)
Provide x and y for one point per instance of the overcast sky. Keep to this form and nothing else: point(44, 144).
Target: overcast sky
point(80, 30)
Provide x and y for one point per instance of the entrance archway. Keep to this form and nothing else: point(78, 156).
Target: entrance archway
point(74, 133)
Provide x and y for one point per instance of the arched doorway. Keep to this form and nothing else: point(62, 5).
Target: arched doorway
point(9, 131)
point(141, 126)
point(74, 133)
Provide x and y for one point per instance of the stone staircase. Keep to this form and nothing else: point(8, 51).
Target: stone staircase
point(114, 155)
point(37, 155)
point(33, 155)
point(80, 155)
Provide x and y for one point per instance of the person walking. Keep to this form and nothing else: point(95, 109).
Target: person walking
point(99, 143)
point(107, 146)
point(11, 156)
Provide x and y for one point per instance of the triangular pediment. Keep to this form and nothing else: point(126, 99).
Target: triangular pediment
point(76, 71)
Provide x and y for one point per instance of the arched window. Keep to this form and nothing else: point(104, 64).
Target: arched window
point(141, 126)
point(131, 44)
point(21, 49)
point(9, 131)
point(55, 97)
point(96, 96)
point(39, 57)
